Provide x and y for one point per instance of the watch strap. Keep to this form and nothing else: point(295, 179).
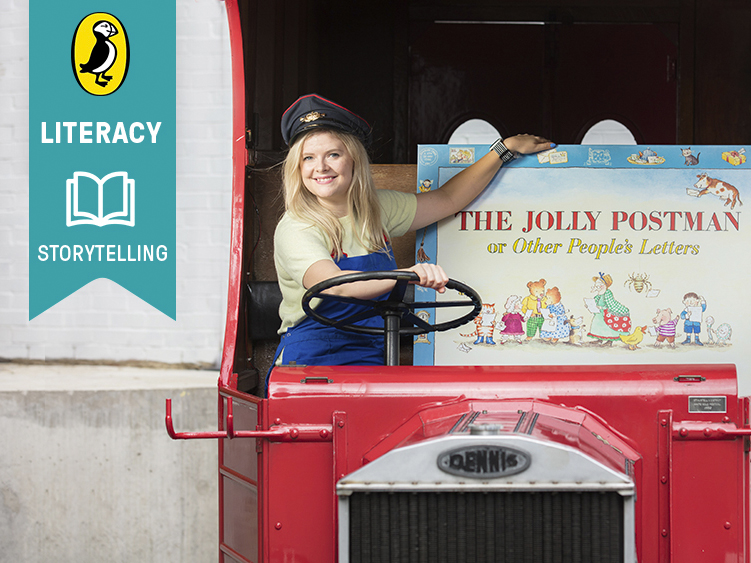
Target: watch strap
point(503, 152)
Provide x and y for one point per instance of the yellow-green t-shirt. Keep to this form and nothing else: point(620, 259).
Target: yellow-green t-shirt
point(298, 245)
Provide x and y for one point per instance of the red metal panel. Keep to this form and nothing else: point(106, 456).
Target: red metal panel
point(239, 160)
point(628, 403)
point(664, 485)
point(300, 502)
point(707, 511)
point(240, 506)
point(240, 455)
point(239, 503)
point(341, 468)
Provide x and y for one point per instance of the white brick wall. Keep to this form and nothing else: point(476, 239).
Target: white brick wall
point(103, 321)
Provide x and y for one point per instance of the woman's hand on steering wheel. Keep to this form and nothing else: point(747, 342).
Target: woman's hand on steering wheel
point(431, 276)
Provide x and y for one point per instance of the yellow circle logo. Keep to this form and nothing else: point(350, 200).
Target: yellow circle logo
point(100, 54)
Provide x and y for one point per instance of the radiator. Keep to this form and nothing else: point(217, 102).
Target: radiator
point(549, 503)
point(494, 527)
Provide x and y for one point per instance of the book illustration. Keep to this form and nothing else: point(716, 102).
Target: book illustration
point(87, 204)
point(600, 157)
point(427, 156)
point(647, 156)
point(591, 306)
point(461, 155)
point(639, 282)
point(713, 186)
point(633, 340)
point(735, 158)
point(423, 338)
point(552, 156)
point(690, 159)
point(614, 326)
point(635, 222)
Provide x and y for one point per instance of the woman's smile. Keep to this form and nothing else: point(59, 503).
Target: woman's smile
point(326, 169)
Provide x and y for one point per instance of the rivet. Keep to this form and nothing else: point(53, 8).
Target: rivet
point(278, 525)
point(664, 422)
point(278, 421)
point(664, 533)
point(324, 433)
point(684, 432)
point(294, 433)
point(664, 479)
point(707, 432)
point(728, 525)
point(341, 424)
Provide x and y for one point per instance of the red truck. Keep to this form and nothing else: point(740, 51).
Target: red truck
point(450, 464)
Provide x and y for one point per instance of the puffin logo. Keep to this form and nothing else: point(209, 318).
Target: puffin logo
point(100, 54)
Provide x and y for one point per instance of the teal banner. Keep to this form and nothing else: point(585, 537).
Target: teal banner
point(102, 149)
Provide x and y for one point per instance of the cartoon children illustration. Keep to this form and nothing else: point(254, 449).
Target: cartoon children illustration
point(512, 319)
point(692, 316)
point(666, 326)
point(556, 325)
point(532, 306)
point(611, 317)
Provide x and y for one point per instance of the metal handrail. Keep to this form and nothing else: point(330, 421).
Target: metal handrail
point(278, 433)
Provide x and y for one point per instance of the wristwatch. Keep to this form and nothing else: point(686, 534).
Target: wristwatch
point(503, 152)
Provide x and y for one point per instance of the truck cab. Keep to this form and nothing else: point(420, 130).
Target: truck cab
point(573, 463)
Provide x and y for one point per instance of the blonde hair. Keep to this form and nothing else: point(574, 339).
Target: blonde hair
point(362, 202)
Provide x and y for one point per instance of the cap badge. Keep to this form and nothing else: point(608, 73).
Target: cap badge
point(312, 116)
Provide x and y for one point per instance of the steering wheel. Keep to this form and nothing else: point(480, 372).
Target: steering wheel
point(392, 309)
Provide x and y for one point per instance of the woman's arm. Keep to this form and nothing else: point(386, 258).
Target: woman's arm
point(431, 276)
point(463, 188)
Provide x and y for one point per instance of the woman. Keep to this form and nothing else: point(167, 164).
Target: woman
point(613, 318)
point(336, 222)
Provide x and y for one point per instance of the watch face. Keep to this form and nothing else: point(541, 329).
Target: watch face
point(498, 147)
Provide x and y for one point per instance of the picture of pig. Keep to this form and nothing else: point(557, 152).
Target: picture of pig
point(666, 326)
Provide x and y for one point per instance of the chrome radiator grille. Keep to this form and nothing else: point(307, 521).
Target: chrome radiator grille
point(493, 527)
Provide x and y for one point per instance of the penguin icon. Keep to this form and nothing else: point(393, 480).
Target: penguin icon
point(103, 54)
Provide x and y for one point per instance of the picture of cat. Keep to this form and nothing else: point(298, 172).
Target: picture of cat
point(484, 325)
point(691, 160)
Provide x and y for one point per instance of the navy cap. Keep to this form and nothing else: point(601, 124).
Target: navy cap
point(312, 111)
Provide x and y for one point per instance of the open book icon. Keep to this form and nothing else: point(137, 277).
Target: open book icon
point(89, 203)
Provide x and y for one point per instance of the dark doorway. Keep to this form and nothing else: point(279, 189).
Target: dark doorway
point(566, 78)
point(671, 71)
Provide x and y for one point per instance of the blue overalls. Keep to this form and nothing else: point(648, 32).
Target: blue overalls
point(314, 344)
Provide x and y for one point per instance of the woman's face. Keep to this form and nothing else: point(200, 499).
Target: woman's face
point(326, 168)
point(599, 287)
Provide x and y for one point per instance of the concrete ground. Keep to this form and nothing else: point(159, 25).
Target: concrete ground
point(88, 472)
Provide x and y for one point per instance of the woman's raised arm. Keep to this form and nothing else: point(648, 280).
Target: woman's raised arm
point(463, 188)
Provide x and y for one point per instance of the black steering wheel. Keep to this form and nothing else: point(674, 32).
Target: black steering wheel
point(392, 309)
